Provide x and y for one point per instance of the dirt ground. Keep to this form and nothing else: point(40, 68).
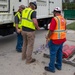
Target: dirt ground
point(12, 64)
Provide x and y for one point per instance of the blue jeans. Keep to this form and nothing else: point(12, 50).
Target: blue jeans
point(19, 42)
point(55, 55)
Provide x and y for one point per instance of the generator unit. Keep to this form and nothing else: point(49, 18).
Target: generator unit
point(9, 7)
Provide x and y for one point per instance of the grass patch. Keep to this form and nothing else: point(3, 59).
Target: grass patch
point(71, 26)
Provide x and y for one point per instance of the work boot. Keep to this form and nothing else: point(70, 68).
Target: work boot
point(48, 69)
point(57, 67)
point(31, 61)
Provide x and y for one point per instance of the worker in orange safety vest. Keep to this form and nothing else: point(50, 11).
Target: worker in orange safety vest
point(57, 36)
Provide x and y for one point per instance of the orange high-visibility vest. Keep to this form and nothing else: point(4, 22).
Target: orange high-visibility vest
point(59, 32)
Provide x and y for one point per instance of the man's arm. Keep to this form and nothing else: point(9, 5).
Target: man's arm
point(33, 17)
point(16, 24)
point(35, 23)
point(49, 34)
point(51, 28)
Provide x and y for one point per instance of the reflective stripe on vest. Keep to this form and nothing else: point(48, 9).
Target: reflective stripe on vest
point(59, 32)
point(18, 14)
point(26, 18)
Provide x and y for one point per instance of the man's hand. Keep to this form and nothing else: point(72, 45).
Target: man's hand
point(36, 23)
point(38, 28)
point(18, 30)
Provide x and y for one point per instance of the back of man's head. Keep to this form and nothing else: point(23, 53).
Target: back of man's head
point(21, 7)
point(33, 5)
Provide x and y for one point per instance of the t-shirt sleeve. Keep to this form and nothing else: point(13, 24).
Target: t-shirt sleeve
point(52, 25)
point(16, 20)
point(33, 15)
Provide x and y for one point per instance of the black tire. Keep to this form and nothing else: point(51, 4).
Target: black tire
point(46, 26)
point(47, 22)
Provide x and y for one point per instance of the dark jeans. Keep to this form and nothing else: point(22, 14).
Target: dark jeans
point(55, 55)
point(19, 42)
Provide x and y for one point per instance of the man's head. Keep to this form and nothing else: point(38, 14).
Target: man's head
point(21, 7)
point(57, 10)
point(33, 5)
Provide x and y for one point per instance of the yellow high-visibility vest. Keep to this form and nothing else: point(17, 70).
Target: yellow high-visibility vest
point(19, 16)
point(26, 18)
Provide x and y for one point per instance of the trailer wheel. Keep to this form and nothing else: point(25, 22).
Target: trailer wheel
point(47, 23)
point(46, 26)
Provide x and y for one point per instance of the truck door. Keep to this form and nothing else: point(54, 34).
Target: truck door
point(32, 0)
point(54, 3)
point(26, 2)
point(4, 5)
point(50, 6)
point(18, 3)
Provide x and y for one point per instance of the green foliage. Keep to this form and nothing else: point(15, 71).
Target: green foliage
point(68, 6)
point(71, 26)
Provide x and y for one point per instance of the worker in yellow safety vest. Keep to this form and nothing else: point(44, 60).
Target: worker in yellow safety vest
point(18, 14)
point(57, 36)
point(29, 25)
point(18, 27)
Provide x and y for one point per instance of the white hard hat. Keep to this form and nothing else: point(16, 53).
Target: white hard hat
point(57, 9)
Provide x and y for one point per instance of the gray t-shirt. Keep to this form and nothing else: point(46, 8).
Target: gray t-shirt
point(33, 15)
point(16, 20)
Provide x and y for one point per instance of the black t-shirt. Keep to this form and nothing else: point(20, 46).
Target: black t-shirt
point(33, 15)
